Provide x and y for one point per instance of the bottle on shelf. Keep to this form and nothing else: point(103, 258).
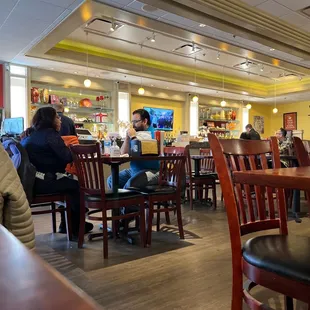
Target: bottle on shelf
point(115, 150)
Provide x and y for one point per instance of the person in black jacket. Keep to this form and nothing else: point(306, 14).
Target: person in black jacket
point(252, 133)
point(49, 154)
point(67, 125)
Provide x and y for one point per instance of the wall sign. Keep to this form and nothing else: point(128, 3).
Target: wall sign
point(290, 121)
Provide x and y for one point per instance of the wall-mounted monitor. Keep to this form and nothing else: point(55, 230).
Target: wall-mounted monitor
point(161, 119)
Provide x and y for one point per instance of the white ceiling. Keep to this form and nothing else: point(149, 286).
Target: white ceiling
point(287, 10)
point(24, 22)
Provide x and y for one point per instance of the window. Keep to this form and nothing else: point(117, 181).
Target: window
point(245, 118)
point(193, 118)
point(123, 112)
point(18, 92)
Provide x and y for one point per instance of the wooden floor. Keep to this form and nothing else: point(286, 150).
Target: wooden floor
point(172, 274)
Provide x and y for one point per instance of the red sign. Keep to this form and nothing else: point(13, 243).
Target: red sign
point(290, 121)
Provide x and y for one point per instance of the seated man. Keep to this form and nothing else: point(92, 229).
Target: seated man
point(285, 145)
point(252, 133)
point(141, 173)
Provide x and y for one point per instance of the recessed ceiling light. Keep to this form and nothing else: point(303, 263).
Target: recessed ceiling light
point(153, 39)
point(218, 55)
point(97, 75)
point(152, 85)
point(244, 93)
point(202, 25)
point(52, 68)
point(167, 87)
point(75, 72)
point(272, 49)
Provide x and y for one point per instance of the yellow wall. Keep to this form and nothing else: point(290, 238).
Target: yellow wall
point(262, 110)
point(138, 102)
point(275, 121)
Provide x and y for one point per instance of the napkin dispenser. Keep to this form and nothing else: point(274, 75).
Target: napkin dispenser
point(143, 147)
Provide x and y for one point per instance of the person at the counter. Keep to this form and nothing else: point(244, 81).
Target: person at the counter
point(140, 173)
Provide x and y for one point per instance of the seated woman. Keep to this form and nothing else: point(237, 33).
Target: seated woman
point(285, 145)
point(49, 154)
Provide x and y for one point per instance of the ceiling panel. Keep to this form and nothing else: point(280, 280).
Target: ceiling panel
point(137, 7)
point(294, 5)
point(179, 20)
point(273, 8)
point(62, 3)
point(296, 19)
point(253, 2)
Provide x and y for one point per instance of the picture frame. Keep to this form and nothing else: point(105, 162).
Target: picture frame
point(290, 121)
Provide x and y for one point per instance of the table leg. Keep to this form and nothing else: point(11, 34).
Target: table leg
point(115, 177)
point(197, 168)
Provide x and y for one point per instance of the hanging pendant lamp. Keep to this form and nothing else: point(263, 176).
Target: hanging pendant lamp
point(275, 110)
point(195, 98)
point(223, 102)
point(141, 90)
point(87, 81)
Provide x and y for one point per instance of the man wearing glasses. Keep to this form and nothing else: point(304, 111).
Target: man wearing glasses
point(140, 173)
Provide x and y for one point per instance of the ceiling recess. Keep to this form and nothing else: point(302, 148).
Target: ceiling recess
point(306, 11)
point(148, 8)
point(246, 65)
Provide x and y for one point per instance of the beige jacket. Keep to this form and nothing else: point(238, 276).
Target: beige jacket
point(15, 213)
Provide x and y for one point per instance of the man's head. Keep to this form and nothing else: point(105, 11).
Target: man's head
point(59, 108)
point(281, 134)
point(248, 127)
point(140, 120)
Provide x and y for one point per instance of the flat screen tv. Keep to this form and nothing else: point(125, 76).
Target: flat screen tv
point(13, 126)
point(161, 119)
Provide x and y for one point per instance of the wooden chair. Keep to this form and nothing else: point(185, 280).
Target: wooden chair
point(87, 160)
point(303, 158)
point(169, 190)
point(202, 182)
point(278, 262)
point(50, 200)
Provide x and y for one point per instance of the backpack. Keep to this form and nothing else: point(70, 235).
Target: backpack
point(25, 169)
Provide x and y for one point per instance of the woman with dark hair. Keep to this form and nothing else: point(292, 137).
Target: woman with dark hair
point(49, 154)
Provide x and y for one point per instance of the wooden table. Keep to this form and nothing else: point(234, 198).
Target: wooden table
point(28, 283)
point(290, 178)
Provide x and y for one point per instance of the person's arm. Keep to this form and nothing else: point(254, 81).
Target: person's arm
point(131, 134)
point(59, 148)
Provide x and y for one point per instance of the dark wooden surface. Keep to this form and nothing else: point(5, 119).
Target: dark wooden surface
point(292, 178)
point(28, 283)
point(121, 160)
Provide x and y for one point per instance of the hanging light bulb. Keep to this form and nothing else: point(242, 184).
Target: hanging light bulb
point(223, 103)
point(141, 91)
point(262, 69)
point(248, 106)
point(275, 110)
point(218, 55)
point(66, 110)
point(87, 83)
point(195, 99)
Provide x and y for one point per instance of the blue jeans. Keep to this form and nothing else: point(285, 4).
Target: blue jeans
point(129, 178)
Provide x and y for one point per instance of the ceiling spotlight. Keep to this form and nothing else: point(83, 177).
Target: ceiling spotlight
point(300, 78)
point(272, 49)
point(218, 55)
point(223, 103)
point(245, 93)
point(97, 75)
point(87, 83)
point(193, 47)
point(75, 72)
point(248, 106)
point(275, 110)
point(195, 99)
point(262, 68)
point(112, 25)
point(247, 63)
point(52, 68)
point(141, 91)
point(202, 25)
point(153, 38)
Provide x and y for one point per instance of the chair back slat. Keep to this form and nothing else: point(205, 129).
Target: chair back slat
point(301, 152)
point(249, 208)
point(207, 164)
point(87, 159)
point(172, 170)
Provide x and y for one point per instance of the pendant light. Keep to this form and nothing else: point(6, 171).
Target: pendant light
point(249, 106)
point(275, 110)
point(195, 98)
point(223, 102)
point(87, 81)
point(141, 90)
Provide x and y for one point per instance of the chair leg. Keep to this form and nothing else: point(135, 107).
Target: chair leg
point(191, 197)
point(105, 234)
point(167, 215)
point(158, 218)
point(82, 225)
point(206, 192)
point(68, 216)
point(179, 217)
point(149, 224)
point(142, 225)
point(237, 291)
point(53, 208)
point(214, 196)
point(289, 304)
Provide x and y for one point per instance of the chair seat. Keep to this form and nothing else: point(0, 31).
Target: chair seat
point(155, 190)
point(287, 256)
point(110, 196)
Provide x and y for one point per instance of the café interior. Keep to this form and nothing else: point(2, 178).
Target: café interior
point(185, 181)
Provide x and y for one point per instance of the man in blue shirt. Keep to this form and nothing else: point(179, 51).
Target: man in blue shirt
point(141, 173)
point(67, 124)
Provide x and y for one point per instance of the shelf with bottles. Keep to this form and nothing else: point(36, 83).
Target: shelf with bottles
point(218, 114)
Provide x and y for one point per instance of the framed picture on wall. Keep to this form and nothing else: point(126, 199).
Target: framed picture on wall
point(259, 124)
point(290, 121)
